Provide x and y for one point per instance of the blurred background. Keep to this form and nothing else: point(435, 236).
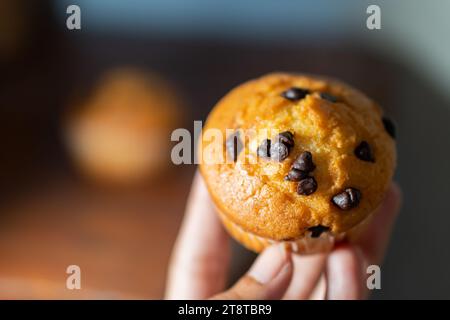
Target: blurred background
point(84, 175)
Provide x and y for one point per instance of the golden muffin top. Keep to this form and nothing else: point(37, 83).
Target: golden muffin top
point(300, 154)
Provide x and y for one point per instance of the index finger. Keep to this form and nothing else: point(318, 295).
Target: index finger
point(201, 255)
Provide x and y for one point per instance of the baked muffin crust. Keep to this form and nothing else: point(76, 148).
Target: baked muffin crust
point(330, 119)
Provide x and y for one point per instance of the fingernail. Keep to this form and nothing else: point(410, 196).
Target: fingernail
point(270, 263)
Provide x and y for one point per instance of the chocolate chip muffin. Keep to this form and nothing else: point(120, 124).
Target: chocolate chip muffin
point(303, 160)
point(118, 134)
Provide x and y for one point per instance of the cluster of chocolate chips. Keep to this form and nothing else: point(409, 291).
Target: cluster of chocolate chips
point(299, 172)
point(277, 150)
point(301, 167)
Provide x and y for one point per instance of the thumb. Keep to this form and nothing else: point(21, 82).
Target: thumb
point(268, 278)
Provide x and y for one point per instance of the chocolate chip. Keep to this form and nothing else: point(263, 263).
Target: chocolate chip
point(294, 93)
point(363, 152)
point(234, 145)
point(316, 231)
point(295, 175)
point(263, 150)
point(328, 97)
point(304, 162)
point(389, 126)
point(347, 199)
point(286, 137)
point(279, 151)
point(307, 186)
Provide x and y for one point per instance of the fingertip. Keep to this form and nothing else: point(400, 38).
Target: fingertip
point(307, 272)
point(277, 288)
point(268, 278)
point(269, 263)
point(344, 273)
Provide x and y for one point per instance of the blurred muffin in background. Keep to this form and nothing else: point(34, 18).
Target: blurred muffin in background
point(120, 134)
